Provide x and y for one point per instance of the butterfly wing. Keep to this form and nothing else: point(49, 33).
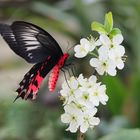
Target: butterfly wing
point(32, 80)
point(30, 41)
point(36, 46)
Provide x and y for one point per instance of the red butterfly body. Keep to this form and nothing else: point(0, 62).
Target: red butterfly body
point(37, 46)
point(55, 72)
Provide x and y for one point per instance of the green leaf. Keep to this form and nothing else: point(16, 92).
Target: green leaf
point(96, 26)
point(115, 31)
point(108, 23)
point(117, 96)
point(124, 134)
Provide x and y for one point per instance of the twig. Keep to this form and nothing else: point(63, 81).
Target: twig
point(80, 136)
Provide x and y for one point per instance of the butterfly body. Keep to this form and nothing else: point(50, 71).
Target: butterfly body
point(37, 46)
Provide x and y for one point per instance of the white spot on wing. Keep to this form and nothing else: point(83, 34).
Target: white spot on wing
point(30, 55)
point(31, 48)
point(29, 38)
point(33, 42)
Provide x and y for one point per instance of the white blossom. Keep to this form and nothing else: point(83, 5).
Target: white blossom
point(111, 43)
point(72, 116)
point(110, 55)
point(68, 91)
point(81, 101)
point(98, 94)
point(103, 65)
point(117, 56)
point(85, 46)
point(89, 121)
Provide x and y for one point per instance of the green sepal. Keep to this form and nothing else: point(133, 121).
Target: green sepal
point(114, 32)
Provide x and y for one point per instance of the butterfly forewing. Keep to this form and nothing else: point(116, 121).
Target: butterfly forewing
point(30, 41)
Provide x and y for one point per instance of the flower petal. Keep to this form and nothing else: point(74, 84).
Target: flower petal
point(105, 40)
point(94, 121)
point(117, 39)
point(84, 127)
point(94, 62)
point(65, 118)
point(120, 64)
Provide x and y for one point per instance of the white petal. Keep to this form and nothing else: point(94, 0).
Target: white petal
point(93, 111)
point(98, 43)
point(84, 127)
point(73, 127)
point(120, 50)
point(94, 121)
point(92, 79)
point(94, 62)
point(73, 83)
point(77, 48)
point(103, 52)
point(81, 51)
point(112, 71)
point(65, 118)
point(103, 99)
point(105, 40)
point(120, 64)
point(100, 70)
point(94, 100)
point(118, 39)
point(80, 55)
point(84, 42)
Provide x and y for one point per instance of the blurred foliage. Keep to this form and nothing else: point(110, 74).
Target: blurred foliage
point(72, 18)
point(133, 134)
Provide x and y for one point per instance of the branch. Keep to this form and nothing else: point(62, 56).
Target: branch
point(81, 136)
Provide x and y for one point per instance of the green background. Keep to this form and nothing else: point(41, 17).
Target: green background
point(68, 21)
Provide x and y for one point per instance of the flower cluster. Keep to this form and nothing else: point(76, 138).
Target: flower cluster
point(109, 55)
point(107, 51)
point(81, 97)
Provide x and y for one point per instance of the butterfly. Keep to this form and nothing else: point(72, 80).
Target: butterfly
point(36, 46)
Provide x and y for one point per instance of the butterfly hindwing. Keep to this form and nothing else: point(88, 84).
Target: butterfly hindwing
point(30, 41)
point(32, 80)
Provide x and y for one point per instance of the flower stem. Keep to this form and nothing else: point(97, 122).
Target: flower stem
point(80, 136)
point(93, 54)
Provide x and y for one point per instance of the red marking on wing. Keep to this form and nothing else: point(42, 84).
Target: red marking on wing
point(34, 88)
point(55, 72)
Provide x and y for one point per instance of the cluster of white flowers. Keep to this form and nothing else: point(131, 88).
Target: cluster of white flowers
point(81, 97)
point(109, 55)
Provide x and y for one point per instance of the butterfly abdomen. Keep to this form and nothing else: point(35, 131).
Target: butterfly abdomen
point(53, 78)
point(55, 72)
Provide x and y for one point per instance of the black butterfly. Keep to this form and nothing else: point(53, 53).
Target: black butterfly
point(35, 45)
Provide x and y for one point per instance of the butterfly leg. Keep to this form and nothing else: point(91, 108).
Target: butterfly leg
point(65, 77)
point(69, 72)
point(73, 69)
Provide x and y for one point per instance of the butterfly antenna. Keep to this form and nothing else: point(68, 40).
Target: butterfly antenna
point(16, 98)
point(66, 78)
point(70, 49)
